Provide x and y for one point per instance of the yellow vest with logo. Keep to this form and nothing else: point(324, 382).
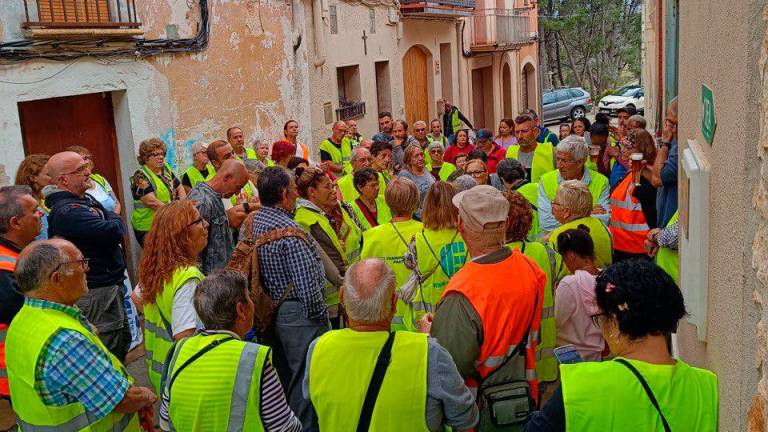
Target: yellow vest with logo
point(158, 316)
point(348, 246)
point(550, 262)
point(606, 396)
point(220, 390)
point(543, 159)
point(340, 369)
point(28, 333)
point(441, 253)
point(384, 242)
point(142, 216)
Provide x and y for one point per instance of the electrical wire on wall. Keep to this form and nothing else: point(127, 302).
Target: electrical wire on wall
point(69, 49)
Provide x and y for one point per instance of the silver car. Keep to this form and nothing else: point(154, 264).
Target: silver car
point(567, 103)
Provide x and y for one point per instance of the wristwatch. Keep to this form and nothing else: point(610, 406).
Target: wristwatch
point(247, 207)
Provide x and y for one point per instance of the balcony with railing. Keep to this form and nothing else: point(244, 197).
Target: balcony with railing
point(81, 18)
point(350, 110)
point(500, 29)
point(437, 8)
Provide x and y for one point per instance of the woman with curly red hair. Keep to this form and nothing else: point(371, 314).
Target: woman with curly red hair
point(168, 276)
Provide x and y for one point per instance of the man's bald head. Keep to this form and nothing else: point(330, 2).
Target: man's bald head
point(230, 178)
point(368, 290)
point(70, 172)
point(40, 259)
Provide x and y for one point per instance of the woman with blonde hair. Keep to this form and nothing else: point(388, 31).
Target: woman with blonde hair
point(153, 186)
point(31, 173)
point(391, 241)
point(440, 250)
point(168, 276)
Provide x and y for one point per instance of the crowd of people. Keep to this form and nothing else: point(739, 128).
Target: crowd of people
point(451, 277)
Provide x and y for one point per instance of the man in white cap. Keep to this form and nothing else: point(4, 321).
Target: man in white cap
point(488, 318)
point(199, 170)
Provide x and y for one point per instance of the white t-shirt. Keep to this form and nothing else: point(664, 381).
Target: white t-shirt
point(183, 315)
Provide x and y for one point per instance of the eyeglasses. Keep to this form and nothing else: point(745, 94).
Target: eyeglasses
point(596, 319)
point(435, 151)
point(80, 170)
point(82, 262)
point(475, 173)
point(420, 130)
point(555, 203)
point(196, 221)
point(157, 154)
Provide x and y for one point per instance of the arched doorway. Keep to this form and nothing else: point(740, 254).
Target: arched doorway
point(415, 84)
point(528, 87)
point(506, 88)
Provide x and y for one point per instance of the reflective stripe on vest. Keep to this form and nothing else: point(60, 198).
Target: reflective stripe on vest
point(543, 159)
point(28, 335)
point(597, 184)
point(8, 259)
point(141, 218)
point(231, 385)
point(158, 333)
point(349, 357)
point(8, 263)
point(628, 225)
point(384, 242)
point(668, 259)
point(507, 313)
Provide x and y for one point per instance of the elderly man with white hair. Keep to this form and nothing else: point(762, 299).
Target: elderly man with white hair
point(409, 377)
point(361, 158)
point(571, 156)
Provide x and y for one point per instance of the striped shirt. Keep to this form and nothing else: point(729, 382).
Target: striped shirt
point(72, 369)
point(274, 411)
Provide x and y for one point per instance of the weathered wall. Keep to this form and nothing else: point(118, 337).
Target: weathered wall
point(721, 46)
point(248, 76)
point(389, 43)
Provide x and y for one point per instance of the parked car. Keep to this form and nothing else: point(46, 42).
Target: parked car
point(567, 103)
point(630, 96)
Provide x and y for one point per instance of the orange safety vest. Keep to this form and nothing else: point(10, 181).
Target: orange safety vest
point(8, 263)
point(505, 310)
point(304, 150)
point(628, 225)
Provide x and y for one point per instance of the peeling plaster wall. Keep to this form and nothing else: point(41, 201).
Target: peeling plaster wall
point(248, 76)
point(715, 36)
point(346, 48)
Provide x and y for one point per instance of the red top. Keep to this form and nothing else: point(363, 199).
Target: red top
point(452, 151)
point(496, 155)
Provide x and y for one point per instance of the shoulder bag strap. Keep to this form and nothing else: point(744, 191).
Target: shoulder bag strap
point(648, 391)
point(190, 360)
point(382, 363)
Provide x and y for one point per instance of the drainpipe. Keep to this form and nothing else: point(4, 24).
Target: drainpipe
point(317, 24)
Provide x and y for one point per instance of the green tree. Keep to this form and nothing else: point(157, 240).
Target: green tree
point(594, 44)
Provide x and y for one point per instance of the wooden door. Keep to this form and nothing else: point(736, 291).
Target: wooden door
point(51, 125)
point(415, 86)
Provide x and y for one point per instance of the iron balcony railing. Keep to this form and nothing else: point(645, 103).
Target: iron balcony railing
point(80, 14)
point(350, 111)
point(501, 27)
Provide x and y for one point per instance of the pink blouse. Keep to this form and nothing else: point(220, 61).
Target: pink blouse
point(574, 306)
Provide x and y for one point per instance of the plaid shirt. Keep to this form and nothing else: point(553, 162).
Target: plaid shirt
point(72, 369)
point(290, 260)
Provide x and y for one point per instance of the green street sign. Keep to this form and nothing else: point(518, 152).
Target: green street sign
point(708, 122)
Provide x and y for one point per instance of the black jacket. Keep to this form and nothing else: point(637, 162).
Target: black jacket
point(98, 234)
point(10, 298)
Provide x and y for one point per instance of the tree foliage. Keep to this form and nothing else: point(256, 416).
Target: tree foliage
point(594, 44)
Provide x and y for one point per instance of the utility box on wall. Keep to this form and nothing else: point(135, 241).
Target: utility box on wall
point(694, 234)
